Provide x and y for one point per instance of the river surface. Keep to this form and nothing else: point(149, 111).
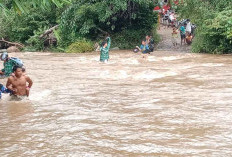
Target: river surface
point(170, 104)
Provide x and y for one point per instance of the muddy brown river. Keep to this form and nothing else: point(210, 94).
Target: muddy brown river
point(170, 104)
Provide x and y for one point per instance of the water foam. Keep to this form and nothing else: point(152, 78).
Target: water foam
point(150, 75)
point(171, 58)
point(120, 74)
point(212, 65)
point(152, 59)
point(39, 95)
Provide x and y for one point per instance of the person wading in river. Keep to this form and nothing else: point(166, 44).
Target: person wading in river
point(8, 65)
point(105, 46)
point(18, 83)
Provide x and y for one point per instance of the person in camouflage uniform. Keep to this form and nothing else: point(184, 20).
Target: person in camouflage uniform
point(8, 65)
point(105, 46)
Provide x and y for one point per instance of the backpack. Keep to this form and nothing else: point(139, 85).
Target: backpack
point(17, 61)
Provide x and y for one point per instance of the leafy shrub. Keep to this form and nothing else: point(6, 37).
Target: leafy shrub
point(128, 39)
point(92, 19)
point(80, 46)
point(35, 43)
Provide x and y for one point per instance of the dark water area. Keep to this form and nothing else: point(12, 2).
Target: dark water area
point(170, 104)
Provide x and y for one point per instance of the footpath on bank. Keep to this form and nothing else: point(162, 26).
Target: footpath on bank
point(165, 43)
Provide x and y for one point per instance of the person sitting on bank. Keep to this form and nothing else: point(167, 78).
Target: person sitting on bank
point(105, 46)
point(19, 84)
point(144, 48)
point(8, 64)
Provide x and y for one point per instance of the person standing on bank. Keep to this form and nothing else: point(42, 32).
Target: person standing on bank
point(105, 46)
point(188, 28)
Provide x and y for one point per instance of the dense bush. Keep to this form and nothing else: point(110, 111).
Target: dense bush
point(126, 21)
point(214, 24)
point(80, 46)
point(26, 28)
point(128, 39)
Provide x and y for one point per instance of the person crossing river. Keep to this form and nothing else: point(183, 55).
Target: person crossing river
point(8, 64)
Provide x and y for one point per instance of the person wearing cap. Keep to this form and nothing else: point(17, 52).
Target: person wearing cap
point(8, 65)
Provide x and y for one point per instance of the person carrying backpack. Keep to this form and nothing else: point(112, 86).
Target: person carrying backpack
point(8, 64)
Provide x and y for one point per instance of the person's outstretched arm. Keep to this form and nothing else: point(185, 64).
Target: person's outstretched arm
point(108, 43)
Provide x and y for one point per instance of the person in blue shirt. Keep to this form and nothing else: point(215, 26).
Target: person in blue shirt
point(3, 90)
point(182, 33)
point(144, 48)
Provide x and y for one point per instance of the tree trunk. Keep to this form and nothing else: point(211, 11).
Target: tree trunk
point(12, 43)
point(50, 30)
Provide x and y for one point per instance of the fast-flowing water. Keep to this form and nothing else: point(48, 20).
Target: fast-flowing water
point(170, 104)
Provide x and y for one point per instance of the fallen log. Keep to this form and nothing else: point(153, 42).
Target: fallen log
point(12, 43)
point(50, 30)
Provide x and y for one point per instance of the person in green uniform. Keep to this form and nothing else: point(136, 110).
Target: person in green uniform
point(105, 46)
point(8, 65)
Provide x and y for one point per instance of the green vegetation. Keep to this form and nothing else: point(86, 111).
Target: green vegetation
point(214, 24)
point(81, 22)
point(80, 46)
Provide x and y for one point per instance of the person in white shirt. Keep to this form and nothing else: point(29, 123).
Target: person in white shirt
point(188, 27)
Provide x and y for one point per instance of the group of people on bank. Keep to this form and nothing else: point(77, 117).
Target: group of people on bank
point(18, 82)
point(186, 31)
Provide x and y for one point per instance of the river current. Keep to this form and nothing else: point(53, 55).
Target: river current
point(170, 104)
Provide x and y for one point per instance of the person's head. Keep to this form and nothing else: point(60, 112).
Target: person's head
point(143, 42)
point(4, 56)
point(18, 71)
point(148, 37)
point(104, 44)
point(188, 20)
point(189, 34)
